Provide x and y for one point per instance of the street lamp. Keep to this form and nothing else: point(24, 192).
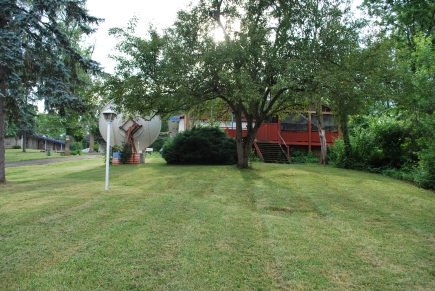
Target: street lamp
point(109, 116)
point(67, 146)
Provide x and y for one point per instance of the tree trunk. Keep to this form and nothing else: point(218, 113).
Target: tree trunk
point(322, 136)
point(3, 23)
point(244, 144)
point(24, 141)
point(2, 123)
point(242, 159)
point(347, 146)
point(91, 142)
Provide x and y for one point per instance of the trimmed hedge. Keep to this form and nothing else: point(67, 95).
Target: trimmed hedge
point(201, 146)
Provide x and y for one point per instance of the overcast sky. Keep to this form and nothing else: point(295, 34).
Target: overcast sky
point(117, 13)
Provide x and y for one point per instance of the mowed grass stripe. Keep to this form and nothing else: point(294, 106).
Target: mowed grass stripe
point(168, 209)
point(160, 227)
point(362, 229)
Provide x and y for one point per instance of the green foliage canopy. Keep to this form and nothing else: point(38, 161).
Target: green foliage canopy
point(261, 69)
point(404, 19)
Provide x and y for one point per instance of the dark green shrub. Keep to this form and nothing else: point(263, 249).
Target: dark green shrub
point(17, 147)
point(96, 147)
point(364, 151)
point(76, 146)
point(84, 144)
point(115, 148)
point(75, 152)
point(125, 152)
point(404, 174)
point(425, 176)
point(390, 137)
point(393, 148)
point(300, 156)
point(201, 145)
point(158, 143)
point(253, 157)
point(377, 146)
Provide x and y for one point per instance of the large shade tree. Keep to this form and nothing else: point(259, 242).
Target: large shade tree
point(333, 43)
point(363, 79)
point(258, 69)
point(34, 44)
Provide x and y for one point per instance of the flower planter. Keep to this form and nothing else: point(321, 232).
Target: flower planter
point(134, 159)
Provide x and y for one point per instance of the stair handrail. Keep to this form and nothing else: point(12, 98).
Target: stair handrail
point(258, 151)
point(287, 155)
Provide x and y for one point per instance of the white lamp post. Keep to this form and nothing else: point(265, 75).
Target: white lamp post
point(109, 116)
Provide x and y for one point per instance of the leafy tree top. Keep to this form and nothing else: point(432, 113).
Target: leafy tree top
point(38, 50)
point(405, 19)
point(265, 63)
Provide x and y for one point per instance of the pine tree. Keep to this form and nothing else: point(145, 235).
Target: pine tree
point(35, 48)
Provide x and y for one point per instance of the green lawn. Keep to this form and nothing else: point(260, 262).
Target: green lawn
point(16, 155)
point(161, 227)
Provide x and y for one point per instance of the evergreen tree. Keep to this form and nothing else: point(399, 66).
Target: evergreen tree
point(34, 42)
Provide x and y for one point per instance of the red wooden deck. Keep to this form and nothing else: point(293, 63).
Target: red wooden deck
point(269, 133)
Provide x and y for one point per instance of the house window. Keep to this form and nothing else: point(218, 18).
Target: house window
point(328, 120)
point(293, 123)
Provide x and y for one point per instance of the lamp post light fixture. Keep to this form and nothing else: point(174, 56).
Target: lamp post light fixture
point(109, 116)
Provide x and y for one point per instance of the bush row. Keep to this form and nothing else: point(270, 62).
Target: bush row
point(390, 147)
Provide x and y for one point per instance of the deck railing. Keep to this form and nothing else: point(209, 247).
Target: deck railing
point(282, 142)
point(257, 149)
point(270, 132)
